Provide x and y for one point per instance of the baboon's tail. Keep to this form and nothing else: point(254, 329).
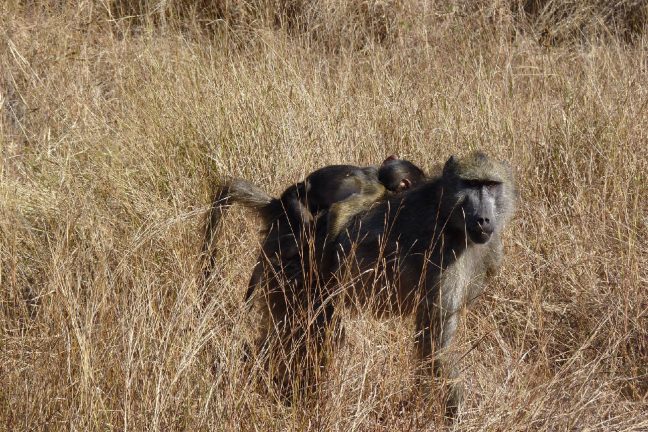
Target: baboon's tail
point(234, 191)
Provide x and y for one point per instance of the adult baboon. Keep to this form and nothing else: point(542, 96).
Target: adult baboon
point(426, 252)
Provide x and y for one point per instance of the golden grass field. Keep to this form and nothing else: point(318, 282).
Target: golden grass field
point(116, 121)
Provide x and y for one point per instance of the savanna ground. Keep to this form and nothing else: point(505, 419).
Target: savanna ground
point(117, 118)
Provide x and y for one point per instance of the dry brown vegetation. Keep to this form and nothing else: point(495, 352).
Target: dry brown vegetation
point(117, 116)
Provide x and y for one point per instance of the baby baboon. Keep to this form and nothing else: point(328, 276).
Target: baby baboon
point(393, 176)
point(335, 183)
point(427, 251)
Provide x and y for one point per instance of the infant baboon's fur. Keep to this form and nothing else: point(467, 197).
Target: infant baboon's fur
point(393, 176)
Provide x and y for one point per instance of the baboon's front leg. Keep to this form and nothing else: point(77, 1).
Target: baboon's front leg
point(436, 326)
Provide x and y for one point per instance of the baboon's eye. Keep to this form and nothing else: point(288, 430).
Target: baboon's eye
point(491, 185)
point(478, 184)
point(472, 183)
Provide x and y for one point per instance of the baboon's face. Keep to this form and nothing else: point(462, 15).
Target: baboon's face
point(481, 202)
point(479, 208)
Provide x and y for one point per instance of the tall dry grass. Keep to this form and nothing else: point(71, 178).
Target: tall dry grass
point(115, 122)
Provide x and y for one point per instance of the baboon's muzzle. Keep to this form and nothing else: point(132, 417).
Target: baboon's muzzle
point(481, 230)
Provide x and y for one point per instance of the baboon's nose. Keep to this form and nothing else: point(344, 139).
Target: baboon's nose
point(485, 225)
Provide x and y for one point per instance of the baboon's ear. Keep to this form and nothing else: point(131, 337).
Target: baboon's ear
point(404, 184)
point(450, 165)
point(390, 158)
